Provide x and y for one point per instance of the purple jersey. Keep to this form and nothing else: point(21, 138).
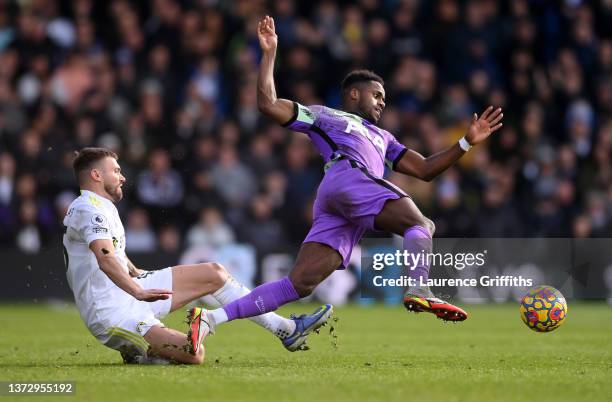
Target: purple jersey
point(336, 133)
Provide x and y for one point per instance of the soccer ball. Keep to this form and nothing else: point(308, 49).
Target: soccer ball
point(543, 309)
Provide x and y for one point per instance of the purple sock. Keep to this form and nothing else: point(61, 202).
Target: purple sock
point(417, 241)
point(263, 299)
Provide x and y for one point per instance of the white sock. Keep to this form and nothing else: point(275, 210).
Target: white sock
point(232, 290)
point(217, 316)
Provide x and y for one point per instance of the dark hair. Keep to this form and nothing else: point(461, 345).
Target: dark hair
point(358, 76)
point(86, 157)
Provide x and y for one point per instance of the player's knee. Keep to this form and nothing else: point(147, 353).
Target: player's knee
point(422, 222)
point(304, 290)
point(219, 269)
point(199, 357)
point(430, 226)
point(303, 287)
point(217, 273)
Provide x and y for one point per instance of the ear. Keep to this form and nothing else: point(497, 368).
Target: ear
point(95, 175)
point(354, 94)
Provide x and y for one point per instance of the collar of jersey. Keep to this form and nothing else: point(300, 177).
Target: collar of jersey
point(351, 115)
point(363, 120)
point(97, 200)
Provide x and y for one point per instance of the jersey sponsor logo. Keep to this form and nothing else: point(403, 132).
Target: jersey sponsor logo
point(98, 220)
point(357, 126)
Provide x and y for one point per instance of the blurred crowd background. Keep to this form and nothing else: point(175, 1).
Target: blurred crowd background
point(171, 87)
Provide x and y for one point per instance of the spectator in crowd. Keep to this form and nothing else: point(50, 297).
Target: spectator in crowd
point(169, 239)
point(7, 179)
point(160, 188)
point(261, 229)
point(29, 238)
point(233, 180)
point(210, 231)
point(139, 236)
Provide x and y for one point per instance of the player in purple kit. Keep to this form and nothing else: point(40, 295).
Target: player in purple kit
point(353, 197)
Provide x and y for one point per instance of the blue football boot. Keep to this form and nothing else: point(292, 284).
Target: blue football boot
point(304, 325)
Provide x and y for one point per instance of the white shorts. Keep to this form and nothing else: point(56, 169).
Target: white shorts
point(127, 335)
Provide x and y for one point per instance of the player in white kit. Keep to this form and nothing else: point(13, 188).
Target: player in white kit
point(120, 304)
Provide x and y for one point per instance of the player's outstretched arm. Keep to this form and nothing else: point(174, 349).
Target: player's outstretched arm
point(279, 110)
point(105, 254)
point(415, 164)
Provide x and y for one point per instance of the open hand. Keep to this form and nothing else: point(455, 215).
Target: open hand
point(151, 295)
point(266, 34)
point(481, 128)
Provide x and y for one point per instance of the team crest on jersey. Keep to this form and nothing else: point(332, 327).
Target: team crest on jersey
point(98, 220)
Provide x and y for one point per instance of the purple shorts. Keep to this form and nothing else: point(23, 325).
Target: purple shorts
point(348, 200)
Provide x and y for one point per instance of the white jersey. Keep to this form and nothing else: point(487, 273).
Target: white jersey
point(91, 217)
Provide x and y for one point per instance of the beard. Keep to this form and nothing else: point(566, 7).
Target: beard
point(371, 116)
point(365, 116)
point(115, 192)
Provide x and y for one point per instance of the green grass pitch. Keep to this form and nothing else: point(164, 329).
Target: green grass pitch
point(383, 354)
